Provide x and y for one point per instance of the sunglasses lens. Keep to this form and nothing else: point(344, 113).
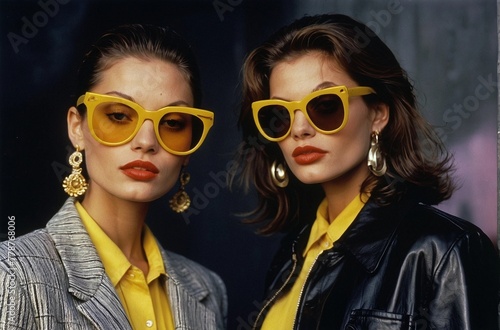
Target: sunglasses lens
point(274, 120)
point(114, 122)
point(180, 131)
point(326, 112)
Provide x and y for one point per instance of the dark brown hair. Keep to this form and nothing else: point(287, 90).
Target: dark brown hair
point(143, 42)
point(417, 161)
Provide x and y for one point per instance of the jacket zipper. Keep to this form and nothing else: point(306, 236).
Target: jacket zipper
point(266, 305)
point(303, 286)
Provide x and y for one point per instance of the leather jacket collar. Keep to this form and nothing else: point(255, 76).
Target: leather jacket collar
point(366, 239)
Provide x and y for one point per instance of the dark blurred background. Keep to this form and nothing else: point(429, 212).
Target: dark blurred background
point(448, 47)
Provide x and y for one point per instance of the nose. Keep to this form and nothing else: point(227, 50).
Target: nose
point(301, 128)
point(145, 139)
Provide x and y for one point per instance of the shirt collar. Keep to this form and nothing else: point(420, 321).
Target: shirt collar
point(155, 259)
point(335, 228)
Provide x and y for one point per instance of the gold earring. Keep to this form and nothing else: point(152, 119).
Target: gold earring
point(376, 160)
point(75, 184)
point(279, 174)
point(181, 201)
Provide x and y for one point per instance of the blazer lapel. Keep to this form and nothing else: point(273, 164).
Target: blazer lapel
point(94, 294)
point(104, 311)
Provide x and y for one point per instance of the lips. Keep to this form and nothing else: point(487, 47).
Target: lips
point(140, 170)
point(307, 155)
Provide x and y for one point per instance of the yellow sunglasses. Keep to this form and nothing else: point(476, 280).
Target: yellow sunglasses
point(114, 121)
point(327, 110)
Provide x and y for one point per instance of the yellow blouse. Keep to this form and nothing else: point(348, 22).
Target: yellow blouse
point(323, 234)
point(144, 298)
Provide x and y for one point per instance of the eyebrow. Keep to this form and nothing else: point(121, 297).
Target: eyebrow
point(323, 85)
point(130, 98)
point(123, 96)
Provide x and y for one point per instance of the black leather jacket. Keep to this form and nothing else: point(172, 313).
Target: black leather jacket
point(404, 266)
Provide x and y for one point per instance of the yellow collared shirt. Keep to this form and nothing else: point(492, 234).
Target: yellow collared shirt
point(144, 298)
point(323, 234)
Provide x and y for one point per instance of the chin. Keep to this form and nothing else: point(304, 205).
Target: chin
point(141, 196)
point(313, 180)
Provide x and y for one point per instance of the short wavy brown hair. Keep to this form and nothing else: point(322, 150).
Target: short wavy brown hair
point(417, 161)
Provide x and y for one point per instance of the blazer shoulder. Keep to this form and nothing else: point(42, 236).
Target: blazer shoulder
point(30, 255)
point(36, 244)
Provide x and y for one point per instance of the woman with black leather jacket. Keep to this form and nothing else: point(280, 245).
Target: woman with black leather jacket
point(348, 167)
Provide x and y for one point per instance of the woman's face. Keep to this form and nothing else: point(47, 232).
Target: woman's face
point(339, 159)
point(140, 170)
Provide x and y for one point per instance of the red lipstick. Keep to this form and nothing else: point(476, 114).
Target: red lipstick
point(307, 155)
point(140, 170)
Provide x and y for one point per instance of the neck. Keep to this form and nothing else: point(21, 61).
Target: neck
point(122, 221)
point(341, 191)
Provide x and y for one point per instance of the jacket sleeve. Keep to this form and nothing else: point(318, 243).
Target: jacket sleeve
point(465, 286)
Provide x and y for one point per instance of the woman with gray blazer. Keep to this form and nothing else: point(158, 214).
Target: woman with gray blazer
point(96, 265)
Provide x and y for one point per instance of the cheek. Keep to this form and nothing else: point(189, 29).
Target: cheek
point(97, 156)
point(285, 147)
point(173, 168)
point(97, 161)
point(360, 116)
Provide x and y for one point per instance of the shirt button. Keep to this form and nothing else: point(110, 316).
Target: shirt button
point(149, 323)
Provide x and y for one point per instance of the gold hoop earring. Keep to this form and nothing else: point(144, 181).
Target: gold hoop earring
point(376, 160)
point(75, 184)
point(180, 201)
point(279, 174)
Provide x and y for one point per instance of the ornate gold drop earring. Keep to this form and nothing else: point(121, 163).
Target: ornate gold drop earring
point(75, 184)
point(181, 201)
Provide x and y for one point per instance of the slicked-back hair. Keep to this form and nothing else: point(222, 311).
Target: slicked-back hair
point(142, 41)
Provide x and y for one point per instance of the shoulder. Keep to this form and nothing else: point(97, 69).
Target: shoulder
point(33, 248)
point(38, 249)
point(414, 221)
point(37, 257)
point(429, 222)
point(408, 232)
point(32, 259)
point(446, 240)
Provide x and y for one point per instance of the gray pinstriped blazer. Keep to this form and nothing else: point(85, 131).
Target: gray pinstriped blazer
point(53, 279)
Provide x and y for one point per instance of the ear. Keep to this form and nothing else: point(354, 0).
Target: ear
point(75, 128)
point(380, 116)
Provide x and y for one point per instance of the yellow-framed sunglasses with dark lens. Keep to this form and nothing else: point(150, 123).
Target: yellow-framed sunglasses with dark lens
point(114, 121)
point(327, 110)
